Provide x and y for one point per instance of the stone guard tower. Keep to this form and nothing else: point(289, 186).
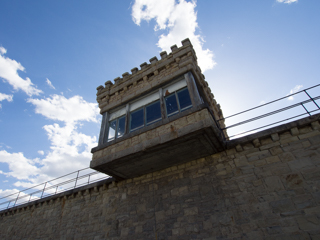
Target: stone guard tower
point(161, 115)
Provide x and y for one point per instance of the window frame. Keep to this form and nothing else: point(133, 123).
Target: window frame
point(178, 102)
point(186, 82)
point(116, 128)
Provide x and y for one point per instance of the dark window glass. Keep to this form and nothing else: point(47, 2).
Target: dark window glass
point(184, 99)
point(153, 112)
point(171, 104)
point(121, 126)
point(112, 130)
point(136, 120)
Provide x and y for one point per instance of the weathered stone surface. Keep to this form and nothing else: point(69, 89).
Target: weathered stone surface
point(266, 194)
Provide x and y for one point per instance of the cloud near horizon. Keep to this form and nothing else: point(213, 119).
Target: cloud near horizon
point(180, 18)
point(69, 148)
point(9, 73)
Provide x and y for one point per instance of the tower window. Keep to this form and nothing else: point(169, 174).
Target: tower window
point(178, 102)
point(116, 128)
point(148, 109)
point(153, 112)
point(137, 119)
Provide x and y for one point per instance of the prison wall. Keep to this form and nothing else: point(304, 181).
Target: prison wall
point(263, 186)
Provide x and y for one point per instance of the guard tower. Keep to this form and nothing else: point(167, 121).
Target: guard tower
point(156, 117)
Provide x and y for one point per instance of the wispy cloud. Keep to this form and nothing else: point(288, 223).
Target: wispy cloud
point(50, 84)
point(294, 90)
point(41, 152)
point(9, 72)
point(287, 1)
point(7, 97)
point(180, 18)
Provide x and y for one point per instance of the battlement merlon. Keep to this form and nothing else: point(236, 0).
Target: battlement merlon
point(155, 74)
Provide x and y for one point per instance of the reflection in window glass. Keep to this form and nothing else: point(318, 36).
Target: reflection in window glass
point(184, 99)
point(121, 126)
point(171, 104)
point(112, 130)
point(153, 112)
point(136, 120)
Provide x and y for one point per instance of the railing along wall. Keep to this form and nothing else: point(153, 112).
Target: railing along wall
point(273, 113)
point(304, 104)
point(61, 184)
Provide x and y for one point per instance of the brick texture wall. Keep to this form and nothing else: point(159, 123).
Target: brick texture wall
point(264, 186)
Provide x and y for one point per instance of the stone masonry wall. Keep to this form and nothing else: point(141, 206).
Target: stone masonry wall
point(151, 76)
point(158, 135)
point(265, 186)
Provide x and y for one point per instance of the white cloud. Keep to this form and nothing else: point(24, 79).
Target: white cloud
point(50, 84)
point(287, 1)
point(181, 21)
point(9, 72)
point(294, 90)
point(4, 96)
point(60, 108)
point(3, 50)
point(20, 167)
point(69, 150)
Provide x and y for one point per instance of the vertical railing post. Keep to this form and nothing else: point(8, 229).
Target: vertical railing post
point(305, 109)
point(89, 179)
point(312, 99)
point(43, 189)
point(16, 199)
point(8, 204)
point(75, 184)
point(30, 197)
point(56, 190)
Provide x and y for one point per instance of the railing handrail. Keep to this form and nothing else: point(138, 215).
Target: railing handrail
point(76, 179)
point(302, 103)
point(262, 105)
point(50, 187)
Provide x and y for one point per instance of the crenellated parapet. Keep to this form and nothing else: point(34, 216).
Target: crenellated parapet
point(154, 74)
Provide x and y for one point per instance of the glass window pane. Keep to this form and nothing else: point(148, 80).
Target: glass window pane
point(112, 130)
point(171, 104)
point(121, 126)
point(153, 112)
point(184, 99)
point(136, 120)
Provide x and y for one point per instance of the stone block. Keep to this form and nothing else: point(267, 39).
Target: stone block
point(273, 183)
point(191, 211)
point(283, 205)
point(315, 125)
point(275, 150)
point(299, 164)
point(309, 135)
point(308, 222)
point(242, 161)
point(294, 131)
point(275, 137)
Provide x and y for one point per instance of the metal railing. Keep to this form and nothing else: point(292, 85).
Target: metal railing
point(304, 105)
point(86, 176)
point(61, 184)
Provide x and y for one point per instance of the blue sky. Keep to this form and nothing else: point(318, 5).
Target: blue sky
point(53, 55)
